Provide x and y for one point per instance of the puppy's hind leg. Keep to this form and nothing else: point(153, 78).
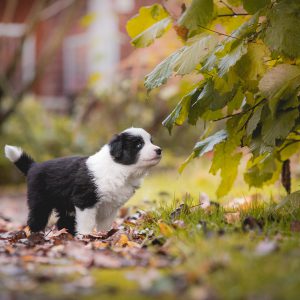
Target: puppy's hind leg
point(85, 220)
point(66, 220)
point(39, 213)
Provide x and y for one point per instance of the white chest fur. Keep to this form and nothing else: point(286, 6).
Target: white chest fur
point(115, 183)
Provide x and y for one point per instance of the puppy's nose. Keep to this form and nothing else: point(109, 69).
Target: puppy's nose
point(158, 151)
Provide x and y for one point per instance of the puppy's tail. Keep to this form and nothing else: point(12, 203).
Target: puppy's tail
point(21, 159)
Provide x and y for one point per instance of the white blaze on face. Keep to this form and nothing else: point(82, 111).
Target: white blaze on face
point(148, 155)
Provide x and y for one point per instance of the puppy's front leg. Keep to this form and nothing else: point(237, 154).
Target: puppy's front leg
point(85, 220)
point(104, 221)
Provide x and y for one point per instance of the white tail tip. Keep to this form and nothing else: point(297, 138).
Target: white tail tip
point(12, 153)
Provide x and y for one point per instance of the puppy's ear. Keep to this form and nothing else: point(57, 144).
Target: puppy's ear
point(116, 146)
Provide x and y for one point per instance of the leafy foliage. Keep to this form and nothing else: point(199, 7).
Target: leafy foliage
point(182, 61)
point(282, 33)
point(197, 15)
point(151, 22)
point(249, 61)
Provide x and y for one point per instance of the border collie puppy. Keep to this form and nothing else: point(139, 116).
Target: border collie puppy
point(86, 192)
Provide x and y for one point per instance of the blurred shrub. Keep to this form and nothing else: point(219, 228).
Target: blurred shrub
point(91, 123)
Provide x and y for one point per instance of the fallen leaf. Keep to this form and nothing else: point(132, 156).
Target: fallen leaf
point(107, 261)
point(165, 229)
point(123, 212)
point(131, 244)
point(122, 241)
point(13, 236)
point(99, 245)
point(79, 252)
point(60, 236)
point(232, 218)
point(36, 238)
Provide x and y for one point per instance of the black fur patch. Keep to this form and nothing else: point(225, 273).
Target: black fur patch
point(24, 163)
point(59, 184)
point(125, 148)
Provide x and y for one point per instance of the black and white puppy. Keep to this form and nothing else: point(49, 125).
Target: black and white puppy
point(86, 192)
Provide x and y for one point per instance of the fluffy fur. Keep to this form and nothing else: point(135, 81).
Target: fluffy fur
point(86, 192)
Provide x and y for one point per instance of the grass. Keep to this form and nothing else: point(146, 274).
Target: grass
point(222, 256)
point(215, 258)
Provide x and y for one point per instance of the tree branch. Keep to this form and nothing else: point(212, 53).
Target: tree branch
point(233, 15)
point(241, 112)
point(228, 6)
point(221, 33)
point(50, 50)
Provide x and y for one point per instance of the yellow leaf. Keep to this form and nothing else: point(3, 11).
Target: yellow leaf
point(165, 229)
point(131, 244)
point(100, 245)
point(122, 241)
point(151, 22)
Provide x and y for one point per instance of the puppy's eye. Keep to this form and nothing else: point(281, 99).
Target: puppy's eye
point(151, 140)
point(139, 145)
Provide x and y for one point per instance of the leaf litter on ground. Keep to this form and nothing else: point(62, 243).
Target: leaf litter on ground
point(165, 241)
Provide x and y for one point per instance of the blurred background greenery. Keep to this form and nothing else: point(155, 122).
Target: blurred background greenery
point(67, 90)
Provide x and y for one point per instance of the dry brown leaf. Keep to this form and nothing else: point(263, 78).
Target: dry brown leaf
point(100, 245)
point(107, 261)
point(232, 218)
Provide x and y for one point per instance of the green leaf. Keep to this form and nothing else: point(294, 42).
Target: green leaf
point(288, 150)
point(226, 160)
point(292, 200)
point(280, 83)
point(180, 112)
point(234, 2)
point(258, 147)
point(264, 169)
point(251, 66)
point(194, 53)
point(197, 15)
point(208, 143)
point(151, 23)
point(236, 127)
point(211, 98)
point(227, 53)
point(161, 72)
point(204, 146)
point(182, 61)
point(236, 102)
point(254, 120)
point(231, 58)
point(252, 6)
point(279, 127)
point(283, 34)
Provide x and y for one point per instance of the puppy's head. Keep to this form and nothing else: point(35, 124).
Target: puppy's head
point(134, 147)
